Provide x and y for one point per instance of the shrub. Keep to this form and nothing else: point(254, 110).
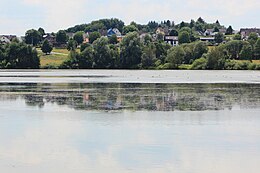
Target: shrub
point(199, 64)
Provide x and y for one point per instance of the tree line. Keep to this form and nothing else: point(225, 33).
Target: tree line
point(18, 55)
point(136, 53)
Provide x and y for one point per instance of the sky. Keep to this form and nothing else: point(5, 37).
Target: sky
point(17, 16)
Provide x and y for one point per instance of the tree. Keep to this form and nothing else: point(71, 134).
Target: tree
point(246, 52)
point(113, 39)
point(131, 51)
point(219, 37)
point(149, 56)
point(199, 64)
point(83, 46)
point(184, 37)
point(237, 37)
point(72, 45)
point(152, 25)
point(216, 29)
point(160, 37)
point(86, 58)
point(20, 55)
point(182, 24)
point(233, 48)
point(229, 30)
point(61, 37)
point(200, 20)
point(102, 56)
point(115, 56)
point(192, 23)
point(41, 31)
point(78, 37)
point(161, 50)
point(187, 29)
point(252, 38)
point(94, 36)
point(199, 49)
point(175, 56)
point(32, 37)
point(168, 23)
point(257, 49)
point(189, 54)
point(46, 47)
point(216, 59)
point(173, 32)
point(129, 28)
point(147, 39)
point(72, 61)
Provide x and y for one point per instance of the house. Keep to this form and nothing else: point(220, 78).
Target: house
point(86, 37)
point(245, 32)
point(116, 32)
point(163, 31)
point(113, 31)
point(207, 39)
point(160, 31)
point(70, 35)
point(172, 40)
point(51, 38)
point(4, 40)
point(209, 32)
point(223, 30)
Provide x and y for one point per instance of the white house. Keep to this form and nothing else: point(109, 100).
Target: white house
point(4, 40)
point(172, 40)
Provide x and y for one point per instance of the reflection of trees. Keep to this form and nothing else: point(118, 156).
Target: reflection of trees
point(154, 97)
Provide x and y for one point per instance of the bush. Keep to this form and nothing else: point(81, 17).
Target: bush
point(199, 64)
point(230, 64)
point(252, 66)
point(257, 67)
point(241, 65)
point(164, 66)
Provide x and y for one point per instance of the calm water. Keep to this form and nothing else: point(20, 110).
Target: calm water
point(52, 123)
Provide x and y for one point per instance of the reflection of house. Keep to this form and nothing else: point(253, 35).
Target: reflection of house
point(172, 40)
point(86, 99)
point(245, 32)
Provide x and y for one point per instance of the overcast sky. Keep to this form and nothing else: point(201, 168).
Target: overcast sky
point(17, 16)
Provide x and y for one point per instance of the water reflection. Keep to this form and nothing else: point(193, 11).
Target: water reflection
point(152, 97)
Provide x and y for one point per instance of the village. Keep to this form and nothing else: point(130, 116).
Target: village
point(207, 36)
point(156, 45)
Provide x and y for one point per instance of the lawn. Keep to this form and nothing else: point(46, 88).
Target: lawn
point(256, 61)
point(63, 51)
point(54, 60)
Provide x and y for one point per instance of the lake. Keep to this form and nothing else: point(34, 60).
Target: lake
point(77, 121)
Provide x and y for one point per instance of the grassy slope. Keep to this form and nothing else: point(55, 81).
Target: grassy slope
point(53, 59)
